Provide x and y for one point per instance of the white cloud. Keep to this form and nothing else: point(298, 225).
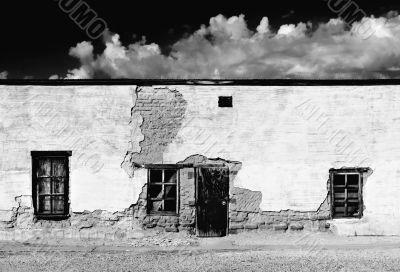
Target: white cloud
point(227, 48)
point(4, 75)
point(264, 26)
point(297, 31)
point(82, 51)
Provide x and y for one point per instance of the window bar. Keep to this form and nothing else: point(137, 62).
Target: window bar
point(51, 186)
point(345, 196)
point(148, 201)
point(65, 182)
point(178, 173)
point(163, 190)
point(360, 204)
point(37, 185)
point(332, 196)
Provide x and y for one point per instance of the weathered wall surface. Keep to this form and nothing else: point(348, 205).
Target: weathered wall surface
point(91, 121)
point(287, 139)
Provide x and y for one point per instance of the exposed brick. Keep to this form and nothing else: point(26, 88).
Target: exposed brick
point(265, 227)
point(151, 225)
point(161, 224)
point(171, 229)
point(296, 226)
point(281, 226)
point(237, 219)
point(160, 127)
point(235, 231)
point(323, 216)
point(251, 226)
point(187, 225)
point(269, 220)
point(236, 226)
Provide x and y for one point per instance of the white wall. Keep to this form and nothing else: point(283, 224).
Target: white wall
point(289, 137)
point(91, 121)
point(286, 137)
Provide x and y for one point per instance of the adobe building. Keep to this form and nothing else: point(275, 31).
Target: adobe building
point(211, 158)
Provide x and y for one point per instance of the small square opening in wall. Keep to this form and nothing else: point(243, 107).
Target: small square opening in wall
point(225, 102)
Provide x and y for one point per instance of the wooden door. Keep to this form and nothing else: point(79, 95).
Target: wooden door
point(212, 192)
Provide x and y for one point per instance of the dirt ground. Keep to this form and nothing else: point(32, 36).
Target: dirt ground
point(243, 252)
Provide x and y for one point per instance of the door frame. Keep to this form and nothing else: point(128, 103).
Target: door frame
point(196, 169)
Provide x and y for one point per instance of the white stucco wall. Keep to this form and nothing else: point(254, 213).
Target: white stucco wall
point(289, 137)
point(91, 121)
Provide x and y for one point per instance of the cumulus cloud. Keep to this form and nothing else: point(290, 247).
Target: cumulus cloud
point(227, 48)
point(4, 75)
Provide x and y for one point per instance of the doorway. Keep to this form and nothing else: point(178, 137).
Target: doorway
point(212, 195)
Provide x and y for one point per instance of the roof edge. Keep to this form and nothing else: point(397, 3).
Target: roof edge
point(202, 82)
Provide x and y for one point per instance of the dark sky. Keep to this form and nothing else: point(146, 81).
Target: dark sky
point(37, 35)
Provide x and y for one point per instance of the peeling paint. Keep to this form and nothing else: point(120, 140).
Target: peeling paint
point(279, 158)
point(158, 112)
point(137, 136)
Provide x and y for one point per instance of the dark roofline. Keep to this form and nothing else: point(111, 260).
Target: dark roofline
point(209, 82)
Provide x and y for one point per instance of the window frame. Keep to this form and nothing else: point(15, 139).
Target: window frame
point(36, 155)
point(163, 168)
point(347, 171)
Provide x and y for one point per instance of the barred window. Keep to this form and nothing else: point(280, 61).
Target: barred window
point(162, 194)
point(50, 184)
point(346, 192)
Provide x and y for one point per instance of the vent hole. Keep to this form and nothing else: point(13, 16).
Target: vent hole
point(225, 102)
